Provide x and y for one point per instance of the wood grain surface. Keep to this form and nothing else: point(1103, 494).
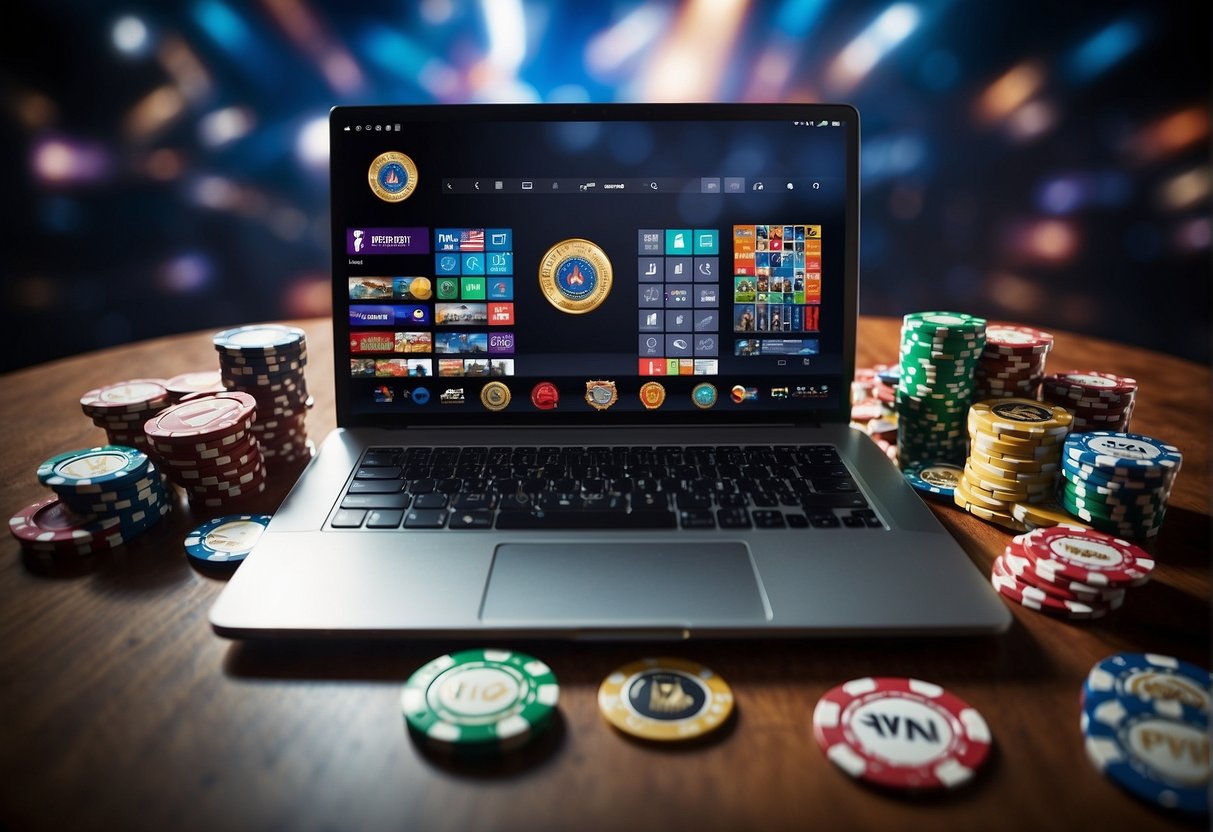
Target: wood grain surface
point(122, 710)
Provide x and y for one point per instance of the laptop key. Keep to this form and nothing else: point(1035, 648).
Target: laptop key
point(427, 501)
point(820, 501)
point(853, 522)
point(568, 520)
point(384, 519)
point(380, 456)
point(835, 485)
point(380, 501)
point(550, 501)
point(824, 521)
point(697, 519)
point(468, 502)
point(764, 519)
point(386, 473)
point(516, 502)
point(693, 501)
point(425, 519)
point(347, 518)
point(873, 522)
point(605, 502)
point(650, 500)
point(450, 486)
point(733, 518)
point(797, 521)
point(731, 500)
point(479, 518)
point(376, 486)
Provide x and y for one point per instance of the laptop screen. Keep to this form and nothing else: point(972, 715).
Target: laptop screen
point(604, 264)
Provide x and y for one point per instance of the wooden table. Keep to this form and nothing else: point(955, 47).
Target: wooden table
point(122, 710)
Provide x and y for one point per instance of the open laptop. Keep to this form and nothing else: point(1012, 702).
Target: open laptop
point(592, 381)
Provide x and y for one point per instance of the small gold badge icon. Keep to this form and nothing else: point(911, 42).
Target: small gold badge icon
point(393, 176)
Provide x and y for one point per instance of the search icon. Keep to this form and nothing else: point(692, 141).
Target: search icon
point(653, 185)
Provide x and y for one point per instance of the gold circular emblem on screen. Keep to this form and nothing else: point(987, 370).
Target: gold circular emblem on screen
point(495, 396)
point(575, 276)
point(393, 176)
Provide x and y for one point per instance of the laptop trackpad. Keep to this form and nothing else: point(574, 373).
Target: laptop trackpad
point(624, 583)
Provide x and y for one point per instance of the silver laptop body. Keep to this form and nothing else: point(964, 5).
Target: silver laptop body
point(550, 374)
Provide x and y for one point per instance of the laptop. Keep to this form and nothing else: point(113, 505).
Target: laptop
point(592, 373)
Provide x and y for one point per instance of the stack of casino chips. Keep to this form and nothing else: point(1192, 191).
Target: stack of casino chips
point(1012, 363)
point(206, 445)
point(1145, 726)
point(266, 361)
point(121, 408)
point(1118, 482)
point(1070, 571)
point(1014, 454)
point(199, 381)
point(104, 497)
point(873, 395)
point(1099, 401)
point(939, 352)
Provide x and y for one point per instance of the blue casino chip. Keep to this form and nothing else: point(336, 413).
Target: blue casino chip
point(225, 540)
point(938, 479)
point(95, 470)
point(1150, 751)
point(890, 375)
point(1176, 685)
point(1129, 452)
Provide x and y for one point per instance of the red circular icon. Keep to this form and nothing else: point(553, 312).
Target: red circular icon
point(545, 395)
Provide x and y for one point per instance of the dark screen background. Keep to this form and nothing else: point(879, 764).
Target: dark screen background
point(570, 349)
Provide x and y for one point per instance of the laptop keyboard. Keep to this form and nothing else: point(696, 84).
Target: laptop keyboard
point(573, 488)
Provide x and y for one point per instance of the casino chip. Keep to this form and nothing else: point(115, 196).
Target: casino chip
point(901, 734)
point(938, 479)
point(1099, 401)
point(1071, 571)
point(266, 361)
point(1013, 362)
point(1145, 724)
point(225, 540)
point(665, 700)
point(1036, 598)
point(1014, 453)
point(104, 497)
point(1077, 554)
point(201, 381)
point(207, 446)
point(480, 701)
point(939, 352)
point(122, 408)
point(1119, 483)
point(1151, 677)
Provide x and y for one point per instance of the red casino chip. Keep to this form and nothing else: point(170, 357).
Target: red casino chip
point(901, 733)
point(136, 395)
point(49, 525)
point(1035, 598)
point(206, 417)
point(1012, 339)
point(1072, 553)
point(1023, 569)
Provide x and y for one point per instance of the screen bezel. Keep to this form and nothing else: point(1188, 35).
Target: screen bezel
point(434, 416)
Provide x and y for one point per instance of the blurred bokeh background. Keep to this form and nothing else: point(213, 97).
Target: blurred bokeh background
point(1039, 162)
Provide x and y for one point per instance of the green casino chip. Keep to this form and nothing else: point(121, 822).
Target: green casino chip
point(480, 700)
